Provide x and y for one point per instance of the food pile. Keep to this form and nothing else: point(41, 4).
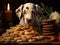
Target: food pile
point(21, 33)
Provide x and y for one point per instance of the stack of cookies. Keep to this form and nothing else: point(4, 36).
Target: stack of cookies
point(48, 27)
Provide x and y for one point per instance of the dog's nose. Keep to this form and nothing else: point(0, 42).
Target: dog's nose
point(29, 20)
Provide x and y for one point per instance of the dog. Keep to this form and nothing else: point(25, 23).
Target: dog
point(29, 13)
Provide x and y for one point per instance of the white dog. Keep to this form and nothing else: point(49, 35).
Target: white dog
point(29, 13)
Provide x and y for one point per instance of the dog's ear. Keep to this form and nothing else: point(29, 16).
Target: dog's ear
point(39, 9)
point(19, 11)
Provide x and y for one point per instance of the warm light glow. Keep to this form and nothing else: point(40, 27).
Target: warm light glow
point(8, 6)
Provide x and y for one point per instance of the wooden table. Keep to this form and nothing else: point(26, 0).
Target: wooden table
point(31, 43)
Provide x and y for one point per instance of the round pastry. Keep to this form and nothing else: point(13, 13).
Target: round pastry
point(31, 40)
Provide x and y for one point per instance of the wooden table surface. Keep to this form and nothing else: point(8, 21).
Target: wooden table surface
point(31, 43)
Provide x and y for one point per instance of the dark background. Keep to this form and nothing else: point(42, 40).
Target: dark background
point(55, 4)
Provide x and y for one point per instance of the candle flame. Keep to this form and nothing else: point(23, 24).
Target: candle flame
point(8, 6)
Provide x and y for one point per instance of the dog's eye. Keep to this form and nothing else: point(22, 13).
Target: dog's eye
point(27, 8)
point(32, 12)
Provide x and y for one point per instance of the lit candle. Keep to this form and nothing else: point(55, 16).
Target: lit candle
point(8, 6)
point(8, 13)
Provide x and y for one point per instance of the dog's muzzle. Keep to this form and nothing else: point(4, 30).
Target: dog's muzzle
point(29, 20)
